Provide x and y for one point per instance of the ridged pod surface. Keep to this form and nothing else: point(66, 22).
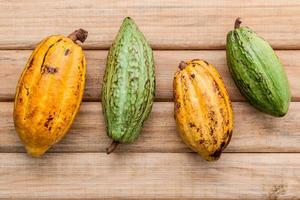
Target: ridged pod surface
point(257, 71)
point(203, 111)
point(49, 91)
point(128, 85)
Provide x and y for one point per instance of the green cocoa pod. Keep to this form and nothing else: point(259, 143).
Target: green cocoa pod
point(128, 85)
point(257, 71)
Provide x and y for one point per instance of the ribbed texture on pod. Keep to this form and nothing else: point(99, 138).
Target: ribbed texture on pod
point(128, 84)
point(49, 93)
point(257, 72)
point(203, 110)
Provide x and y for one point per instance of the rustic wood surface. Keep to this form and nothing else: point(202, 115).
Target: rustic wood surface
point(261, 162)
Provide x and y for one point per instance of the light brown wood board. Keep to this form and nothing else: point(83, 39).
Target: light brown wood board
point(171, 24)
point(166, 63)
point(150, 176)
point(253, 131)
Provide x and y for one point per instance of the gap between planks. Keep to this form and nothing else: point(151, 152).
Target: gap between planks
point(154, 48)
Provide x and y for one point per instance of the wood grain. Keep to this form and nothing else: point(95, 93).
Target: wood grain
point(149, 176)
point(12, 62)
point(172, 24)
point(253, 131)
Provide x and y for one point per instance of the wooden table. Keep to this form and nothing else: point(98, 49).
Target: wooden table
point(262, 160)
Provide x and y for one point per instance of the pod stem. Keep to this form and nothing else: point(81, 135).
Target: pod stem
point(112, 147)
point(79, 34)
point(237, 23)
point(182, 65)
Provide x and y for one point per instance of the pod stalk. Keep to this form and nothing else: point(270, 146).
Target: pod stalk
point(237, 23)
point(182, 65)
point(112, 147)
point(79, 34)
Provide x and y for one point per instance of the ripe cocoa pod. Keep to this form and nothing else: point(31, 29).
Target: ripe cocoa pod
point(257, 71)
point(128, 85)
point(203, 111)
point(49, 91)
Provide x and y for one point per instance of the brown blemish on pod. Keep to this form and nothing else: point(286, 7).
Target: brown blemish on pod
point(67, 52)
point(192, 125)
point(49, 119)
point(49, 70)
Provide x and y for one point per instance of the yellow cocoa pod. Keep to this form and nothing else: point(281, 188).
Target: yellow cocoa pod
point(203, 110)
point(49, 91)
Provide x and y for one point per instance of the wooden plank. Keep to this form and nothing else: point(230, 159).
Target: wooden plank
point(253, 131)
point(13, 61)
point(168, 24)
point(150, 175)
